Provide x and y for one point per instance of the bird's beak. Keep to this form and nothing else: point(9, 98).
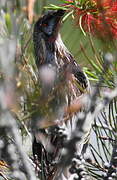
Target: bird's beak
point(57, 16)
point(59, 13)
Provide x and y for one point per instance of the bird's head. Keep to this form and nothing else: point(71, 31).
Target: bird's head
point(44, 35)
point(49, 23)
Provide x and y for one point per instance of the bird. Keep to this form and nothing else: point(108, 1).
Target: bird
point(62, 82)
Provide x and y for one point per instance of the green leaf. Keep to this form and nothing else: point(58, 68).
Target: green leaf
point(67, 15)
point(8, 22)
point(55, 7)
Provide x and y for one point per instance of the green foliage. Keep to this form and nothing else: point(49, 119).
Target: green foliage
point(8, 22)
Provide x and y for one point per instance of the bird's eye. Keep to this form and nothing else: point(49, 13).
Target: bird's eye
point(44, 25)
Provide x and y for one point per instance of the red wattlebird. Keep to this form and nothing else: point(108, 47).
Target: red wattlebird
point(62, 82)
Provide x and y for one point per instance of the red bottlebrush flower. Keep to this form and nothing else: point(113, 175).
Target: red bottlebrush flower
point(100, 19)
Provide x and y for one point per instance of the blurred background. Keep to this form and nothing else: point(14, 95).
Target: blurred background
point(72, 36)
